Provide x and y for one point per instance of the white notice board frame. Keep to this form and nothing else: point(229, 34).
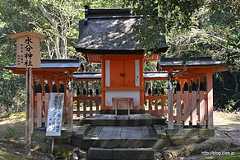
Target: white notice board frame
point(55, 112)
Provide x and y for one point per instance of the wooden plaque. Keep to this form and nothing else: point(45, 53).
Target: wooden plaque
point(27, 49)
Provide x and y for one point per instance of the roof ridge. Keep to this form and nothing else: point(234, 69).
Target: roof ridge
point(107, 12)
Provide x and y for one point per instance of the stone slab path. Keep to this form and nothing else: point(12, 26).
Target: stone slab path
point(120, 132)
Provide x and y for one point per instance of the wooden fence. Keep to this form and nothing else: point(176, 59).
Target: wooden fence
point(85, 106)
point(189, 108)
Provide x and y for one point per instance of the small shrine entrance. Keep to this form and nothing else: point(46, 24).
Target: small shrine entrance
point(187, 100)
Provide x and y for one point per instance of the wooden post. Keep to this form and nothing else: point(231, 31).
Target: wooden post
point(179, 112)
point(65, 105)
point(70, 107)
point(185, 110)
point(31, 102)
point(142, 95)
point(202, 112)
point(150, 105)
point(28, 108)
point(210, 100)
point(78, 107)
point(42, 102)
point(103, 86)
point(190, 96)
point(38, 110)
point(170, 102)
point(194, 108)
point(28, 56)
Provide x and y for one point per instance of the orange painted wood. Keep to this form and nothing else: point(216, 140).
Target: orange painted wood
point(162, 97)
point(186, 108)
point(150, 105)
point(85, 98)
point(194, 108)
point(38, 111)
point(178, 105)
point(190, 96)
point(157, 113)
point(197, 69)
point(94, 58)
point(122, 56)
point(44, 72)
point(122, 88)
point(117, 74)
point(163, 107)
point(129, 69)
point(69, 107)
point(46, 101)
point(210, 100)
point(152, 57)
point(103, 87)
point(142, 82)
point(202, 108)
point(122, 74)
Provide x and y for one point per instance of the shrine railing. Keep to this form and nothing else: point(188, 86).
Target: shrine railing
point(84, 106)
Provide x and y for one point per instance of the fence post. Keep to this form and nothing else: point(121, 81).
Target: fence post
point(210, 100)
point(179, 112)
point(194, 108)
point(170, 102)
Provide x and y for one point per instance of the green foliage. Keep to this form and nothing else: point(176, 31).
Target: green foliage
point(11, 133)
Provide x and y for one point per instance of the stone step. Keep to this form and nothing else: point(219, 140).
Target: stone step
point(116, 137)
point(121, 143)
point(123, 120)
point(120, 154)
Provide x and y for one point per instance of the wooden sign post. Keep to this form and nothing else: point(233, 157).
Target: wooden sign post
point(28, 56)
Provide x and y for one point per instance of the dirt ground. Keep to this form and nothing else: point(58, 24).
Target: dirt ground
point(227, 126)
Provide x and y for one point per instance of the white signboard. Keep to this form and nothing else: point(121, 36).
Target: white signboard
point(55, 111)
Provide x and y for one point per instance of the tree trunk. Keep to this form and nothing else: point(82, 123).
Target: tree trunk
point(57, 49)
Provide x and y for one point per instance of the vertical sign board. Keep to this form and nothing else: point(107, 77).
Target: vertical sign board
point(27, 49)
point(55, 111)
point(28, 56)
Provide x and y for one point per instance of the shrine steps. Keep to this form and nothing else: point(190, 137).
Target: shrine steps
point(109, 137)
point(123, 120)
point(120, 154)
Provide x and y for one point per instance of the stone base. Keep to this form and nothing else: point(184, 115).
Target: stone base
point(120, 154)
point(180, 136)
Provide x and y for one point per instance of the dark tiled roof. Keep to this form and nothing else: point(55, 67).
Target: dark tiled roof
point(192, 61)
point(107, 12)
point(57, 63)
point(109, 31)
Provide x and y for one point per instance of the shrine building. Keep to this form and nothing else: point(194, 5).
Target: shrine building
point(108, 37)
